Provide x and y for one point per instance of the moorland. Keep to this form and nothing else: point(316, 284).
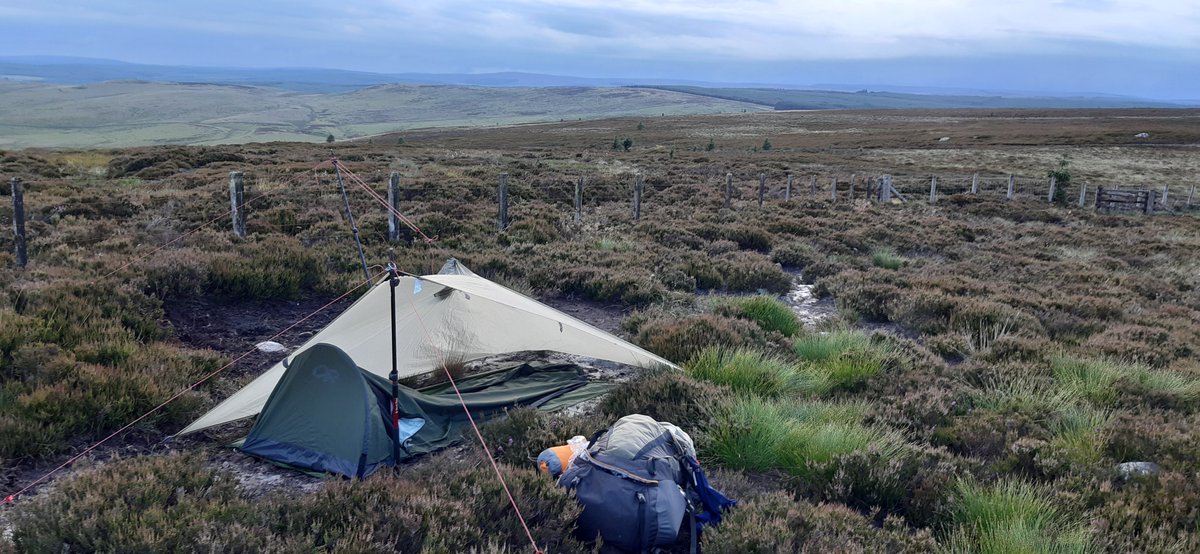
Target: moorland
point(990, 365)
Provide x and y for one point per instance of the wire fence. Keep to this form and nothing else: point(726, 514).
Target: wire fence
point(269, 196)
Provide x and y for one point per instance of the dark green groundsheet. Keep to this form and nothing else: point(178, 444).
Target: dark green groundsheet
point(327, 415)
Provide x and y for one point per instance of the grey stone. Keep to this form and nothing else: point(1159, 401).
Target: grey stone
point(1138, 469)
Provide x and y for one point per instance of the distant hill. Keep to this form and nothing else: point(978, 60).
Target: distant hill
point(791, 99)
point(135, 113)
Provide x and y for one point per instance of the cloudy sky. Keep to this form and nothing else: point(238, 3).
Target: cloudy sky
point(1148, 48)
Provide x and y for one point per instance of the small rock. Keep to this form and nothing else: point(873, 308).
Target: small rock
point(1142, 135)
point(270, 347)
point(944, 139)
point(1138, 469)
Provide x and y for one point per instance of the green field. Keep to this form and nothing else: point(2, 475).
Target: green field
point(792, 99)
point(137, 113)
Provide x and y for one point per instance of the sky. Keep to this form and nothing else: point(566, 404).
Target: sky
point(1143, 48)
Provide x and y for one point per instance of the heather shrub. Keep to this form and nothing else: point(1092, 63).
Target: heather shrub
point(523, 433)
point(862, 294)
point(275, 267)
point(666, 395)
point(745, 272)
point(90, 399)
point(147, 504)
point(746, 237)
point(915, 483)
point(446, 506)
point(770, 313)
point(607, 285)
point(776, 522)
point(175, 273)
point(926, 312)
point(1136, 343)
point(1161, 436)
point(176, 503)
point(794, 254)
point(1149, 514)
point(679, 340)
point(991, 320)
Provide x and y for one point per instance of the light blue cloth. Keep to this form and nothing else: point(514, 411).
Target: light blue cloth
point(408, 427)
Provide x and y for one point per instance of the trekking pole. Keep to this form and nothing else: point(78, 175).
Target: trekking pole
point(394, 281)
point(337, 169)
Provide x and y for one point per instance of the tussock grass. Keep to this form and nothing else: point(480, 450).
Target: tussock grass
point(826, 346)
point(887, 258)
point(1079, 432)
point(1022, 393)
point(761, 434)
point(767, 311)
point(611, 245)
point(752, 371)
point(1096, 379)
point(1011, 516)
point(845, 359)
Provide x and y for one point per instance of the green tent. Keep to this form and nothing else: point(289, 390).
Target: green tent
point(328, 415)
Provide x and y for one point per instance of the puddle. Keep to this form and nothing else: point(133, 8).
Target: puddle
point(810, 309)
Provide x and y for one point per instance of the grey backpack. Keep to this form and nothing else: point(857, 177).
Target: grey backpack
point(631, 482)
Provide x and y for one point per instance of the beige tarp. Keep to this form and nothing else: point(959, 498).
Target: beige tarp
point(440, 317)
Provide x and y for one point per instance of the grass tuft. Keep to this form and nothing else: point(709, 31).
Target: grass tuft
point(1012, 516)
point(1022, 393)
point(845, 359)
point(887, 258)
point(754, 372)
point(768, 312)
point(761, 434)
point(1094, 380)
point(1079, 432)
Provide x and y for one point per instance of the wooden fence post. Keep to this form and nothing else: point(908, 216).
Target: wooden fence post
point(579, 199)
point(237, 195)
point(637, 197)
point(975, 184)
point(1149, 201)
point(933, 189)
point(18, 196)
point(833, 190)
point(503, 201)
point(1012, 181)
point(1099, 195)
point(728, 190)
point(853, 180)
point(885, 189)
point(787, 192)
point(1164, 197)
point(394, 205)
point(1083, 195)
point(1053, 185)
point(762, 187)
point(812, 185)
point(1191, 192)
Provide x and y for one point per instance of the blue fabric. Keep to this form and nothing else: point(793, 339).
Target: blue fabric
point(305, 458)
point(409, 427)
point(712, 501)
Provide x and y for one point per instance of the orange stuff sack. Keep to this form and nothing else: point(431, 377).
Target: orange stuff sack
point(555, 460)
